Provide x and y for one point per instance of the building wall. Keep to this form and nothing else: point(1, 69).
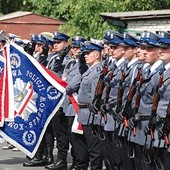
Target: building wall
point(30, 24)
point(153, 25)
point(24, 30)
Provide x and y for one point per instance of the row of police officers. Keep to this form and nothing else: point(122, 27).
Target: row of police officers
point(122, 88)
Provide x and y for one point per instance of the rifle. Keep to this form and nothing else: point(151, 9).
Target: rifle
point(133, 121)
point(127, 110)
point(108, 88)
point(153, 119)
point(164, 132)
point(94, 106)
point(120, 93)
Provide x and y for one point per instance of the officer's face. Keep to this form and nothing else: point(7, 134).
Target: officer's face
point(129, 53)
point(59, 45)
point(118, 52)
point(75, 51)
point(92, 57)
point(106, 49)
point(164, 55)
point(151, 54)
point(140, 53)
point(38, 48)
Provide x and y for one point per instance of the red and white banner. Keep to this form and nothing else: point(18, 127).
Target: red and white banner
point(2, 89)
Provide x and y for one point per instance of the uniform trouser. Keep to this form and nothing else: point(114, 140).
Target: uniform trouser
point(94, 147)
point(166, 159)
point(161, 157)
point(111, 153)
point(126, 160)
point(49, 136)
point(70, 120)
point(138, 161)
point(80, 150)
point(59, 125)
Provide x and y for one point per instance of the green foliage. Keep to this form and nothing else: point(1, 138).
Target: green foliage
point(8, 6)
point(81, 16)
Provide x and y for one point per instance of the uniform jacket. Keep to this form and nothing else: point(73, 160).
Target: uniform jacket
point(86, 93)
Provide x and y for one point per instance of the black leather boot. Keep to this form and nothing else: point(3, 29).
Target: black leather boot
point(59, 165)
point(37, 160)
point(49, 156)
point(34, 162)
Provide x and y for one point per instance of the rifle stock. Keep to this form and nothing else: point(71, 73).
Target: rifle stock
point(165, 128)
point(156, 99)
point(120, 93)
point(130, 96)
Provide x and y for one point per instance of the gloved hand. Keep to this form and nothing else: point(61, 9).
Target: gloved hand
point(104, 108)
point(65, 52)
point(131, 123)
point(45, 49)
point(120, 118)
point(82, 63)
point(29, 48)
point(160, 133)
point(165, 129)
point(114, 113)
point(93, 108)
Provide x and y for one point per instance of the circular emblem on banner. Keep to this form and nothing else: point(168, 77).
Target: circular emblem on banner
point(15, 60)
point(29, 137)
point(53, 93)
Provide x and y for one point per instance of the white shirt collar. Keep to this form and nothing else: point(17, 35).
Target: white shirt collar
point(132, 62)
point(120, 62)
point(155, 65)
point(145, 65)
point(167, 66)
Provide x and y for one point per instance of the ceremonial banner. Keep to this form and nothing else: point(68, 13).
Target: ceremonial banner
point(76, 127)
point(2, 89)
point(34, 96)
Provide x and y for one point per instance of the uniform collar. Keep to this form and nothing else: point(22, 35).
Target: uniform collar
point(94, 65)
point(132, 62)
point(120, 62)
point(167, 66)
point(155, 65)
point(146, 65)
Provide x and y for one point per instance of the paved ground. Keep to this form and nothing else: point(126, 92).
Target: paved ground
point(13, 160)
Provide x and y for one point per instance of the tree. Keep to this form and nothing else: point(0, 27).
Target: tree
point(8, 6)
point(81, 16)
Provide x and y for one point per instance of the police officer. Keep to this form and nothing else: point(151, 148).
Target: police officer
point(89, 142)
point(73, 77)
point(131, 71)
point(30, 46)
point(41, 50)
point(60, 56)
point(58, 124)
point(147, 92)
point(106, 50)
point(108, 148)
point(164, 101)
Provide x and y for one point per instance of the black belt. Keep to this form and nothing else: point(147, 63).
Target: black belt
point(83, 106)
point(141, 117)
